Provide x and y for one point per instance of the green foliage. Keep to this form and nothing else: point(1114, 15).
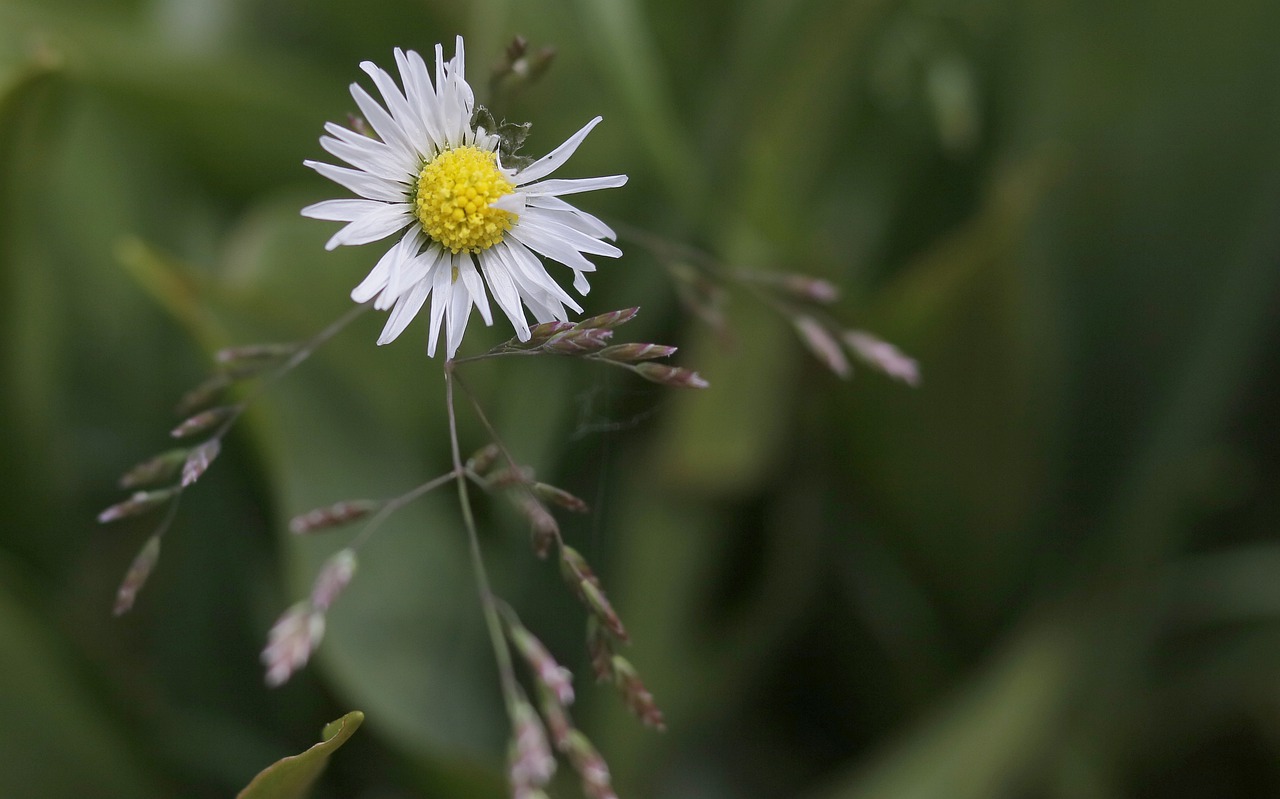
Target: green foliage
point(1050, 571)
point(293, 776)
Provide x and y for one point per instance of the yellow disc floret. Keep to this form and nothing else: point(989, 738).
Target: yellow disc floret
point(452, 202)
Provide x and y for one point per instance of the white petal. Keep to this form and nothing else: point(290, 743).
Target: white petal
point(568, 215)
point(514, 202)
point(457, 313)
point(406, 117)
point(382, 122)
point(341, 210)
point(419, 267)
point(406, 308)
point(580, 283)
point(441, 283)
point(399, 259)
point(504, 291)
point(421, 96)
point(376, 280)
point(475, 287)
point(556, 158)
point(373, 226)
point(548, 225)
point(531, 275)
point(362, 183)
point(574, 185)
point(361, 156)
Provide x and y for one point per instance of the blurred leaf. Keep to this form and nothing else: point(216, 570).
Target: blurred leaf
point(988, 740)
point(47, 707)
point(955, 456)
point(292, 777)
point(626, 50)
point(241, 120)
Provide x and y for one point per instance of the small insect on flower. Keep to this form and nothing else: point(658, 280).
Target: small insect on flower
point(467, 219)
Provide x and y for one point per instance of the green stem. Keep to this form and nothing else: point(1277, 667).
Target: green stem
point(510, 690)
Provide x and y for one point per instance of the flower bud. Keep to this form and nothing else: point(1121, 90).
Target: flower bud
point(637, 698)
point(531, 761)
point(823, 345)
point(333, 578)
point(608, 320)
point(203, 394)
point(811, 289)
point(137, 575)
point(198, 461)
point(560, 497)
point(140, 502)
point(883, 356)
point(550, 674)
point(596, 781)
point(553, 713)
point(538, 334)
point(672, 376)
point(599, 650)
point(292, 639)
point(599, 605)
point(630, 353)
point(335, 515)
point(578, 342)
point(483, 459)
point(543, 527)
point(204, 420)
point(154, 470)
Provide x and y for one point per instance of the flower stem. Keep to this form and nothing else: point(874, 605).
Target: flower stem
point(488, 603)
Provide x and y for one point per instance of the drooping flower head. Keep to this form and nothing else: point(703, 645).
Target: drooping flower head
point(465, 219)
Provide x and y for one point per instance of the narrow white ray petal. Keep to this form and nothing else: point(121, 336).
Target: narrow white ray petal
point(556, 158)
point(457, 314)
point(504, 291)
point(574, 185)
point(403, 160)
point(374, 226)
point(439, 68)
point(376, 280)
point(409, 121)
point(550, 247)
point(514, 202)
point(341, 210)
point(441, 283)
point(547, 225)
point(382, 122)
point(580, 283)
point(420, 266)
point(568, 215)
point(531, 275)
point(362, 183)
point(399, 259)
point(406, 308)
point(475, 287)
point(421, 96)
point(459, 62)
point(382, 164)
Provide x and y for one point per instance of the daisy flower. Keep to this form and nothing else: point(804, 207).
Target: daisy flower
point(465, 220)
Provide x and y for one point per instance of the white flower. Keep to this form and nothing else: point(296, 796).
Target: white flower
point(470, 220)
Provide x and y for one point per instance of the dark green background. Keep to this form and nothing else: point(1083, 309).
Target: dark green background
point(1051, 571)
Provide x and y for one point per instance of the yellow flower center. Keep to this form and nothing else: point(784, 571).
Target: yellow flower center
point(452, 203)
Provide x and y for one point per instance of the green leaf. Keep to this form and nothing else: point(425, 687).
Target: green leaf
point(985, 742)
point(47, 707)
point(293, 776)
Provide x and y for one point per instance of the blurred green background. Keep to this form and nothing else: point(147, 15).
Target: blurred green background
point(1049, 572)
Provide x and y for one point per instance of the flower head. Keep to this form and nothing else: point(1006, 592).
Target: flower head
point(466, 220)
